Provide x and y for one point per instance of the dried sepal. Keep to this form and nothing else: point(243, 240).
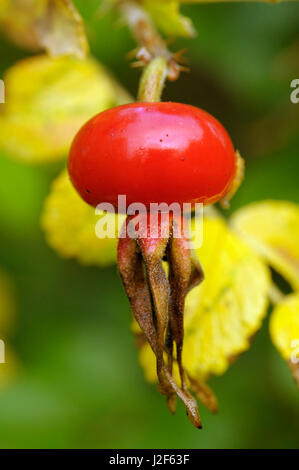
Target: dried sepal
point(204, 394)
point(183, 272)
point(158, 302)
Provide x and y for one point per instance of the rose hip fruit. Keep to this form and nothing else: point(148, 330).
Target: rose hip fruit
point(152, 152)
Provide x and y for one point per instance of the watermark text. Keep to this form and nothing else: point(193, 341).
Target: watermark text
point(295, 93)
point(153, 221)
point(2, 352)
point(2, 92)
point(295, 353)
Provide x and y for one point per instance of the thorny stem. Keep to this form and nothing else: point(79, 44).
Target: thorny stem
point(151, 43)
point(143, 28)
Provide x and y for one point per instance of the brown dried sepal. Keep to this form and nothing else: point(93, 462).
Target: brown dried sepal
point(157, 301)
point(175, 61)
point(151, 43)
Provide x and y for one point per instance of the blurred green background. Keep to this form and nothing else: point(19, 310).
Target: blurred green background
point(79, 384)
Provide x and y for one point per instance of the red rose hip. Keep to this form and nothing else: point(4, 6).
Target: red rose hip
point(152, 152)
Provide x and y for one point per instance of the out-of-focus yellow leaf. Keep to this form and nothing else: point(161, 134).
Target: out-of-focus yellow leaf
point(166, 15)
point(17, 21)
point(284, 331)
point(61, 30)
point(272, 228)
point(284, 326)
point(47, 101)
point(53, 25)
point(72, 229)
point(226, 310)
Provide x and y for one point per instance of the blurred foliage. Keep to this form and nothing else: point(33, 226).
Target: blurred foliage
point(48, 99)
point(284, 329)
point(53, 25)
point(71, 225)
point(167, 17)
point(80, 384)
point(284, 326)
point(272, 228)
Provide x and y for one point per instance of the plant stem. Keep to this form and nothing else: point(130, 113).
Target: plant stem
point(153, 80)
point(151, 43)
point(143, 29)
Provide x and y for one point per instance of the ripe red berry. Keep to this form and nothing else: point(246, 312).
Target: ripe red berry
point(152, 152)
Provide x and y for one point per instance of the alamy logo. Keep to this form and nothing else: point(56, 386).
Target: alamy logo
point(295, 353)
point(2, 351)
point(144, 222)
point(2, 92)
point(295, 93)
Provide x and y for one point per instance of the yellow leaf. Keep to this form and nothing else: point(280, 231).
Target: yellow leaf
point(70, 226)
point(167, 17)
point(61, 30)
point(53, 25)
point(284, 331)
point(272, 229)
point(47, 101)
point(284, 327)
point(17, 22)
point(226, 310)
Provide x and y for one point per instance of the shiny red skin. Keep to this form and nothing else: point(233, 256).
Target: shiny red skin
point(152, 152)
